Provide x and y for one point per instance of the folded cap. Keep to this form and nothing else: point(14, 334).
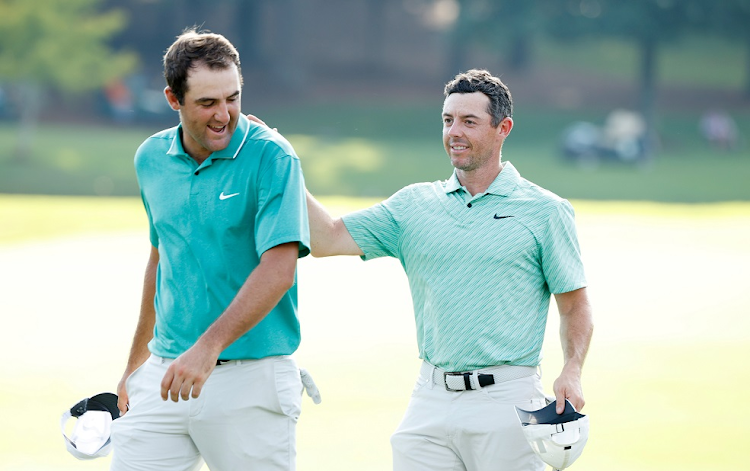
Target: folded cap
point(558, 439)
point(549, 415)
point(90, 437)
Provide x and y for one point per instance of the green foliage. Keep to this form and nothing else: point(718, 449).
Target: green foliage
point(659, 20)
point(729, 18)
point(700, 61)
point(478, 26)
point(60, 43)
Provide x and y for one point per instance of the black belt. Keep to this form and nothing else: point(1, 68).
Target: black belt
point(221, 362)
point(484, 380)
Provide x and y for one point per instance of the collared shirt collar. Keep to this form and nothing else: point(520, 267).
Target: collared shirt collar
point(229, 152)
point(452, 184)
point(503, 185)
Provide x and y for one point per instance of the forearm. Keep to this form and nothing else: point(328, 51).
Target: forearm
point(576, 329)
point(144, 330)
point(260, 293)
point(328, 236)
point(139, 352)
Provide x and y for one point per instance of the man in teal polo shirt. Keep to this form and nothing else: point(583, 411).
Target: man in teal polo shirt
point(210, 375)
point(483, 252)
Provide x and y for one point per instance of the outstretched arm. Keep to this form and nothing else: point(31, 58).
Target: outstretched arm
point(576, 328)
point(328, 236)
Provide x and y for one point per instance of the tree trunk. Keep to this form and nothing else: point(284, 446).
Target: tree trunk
point(30, 94)
point(374, 51)
point(248, 26)
point(648, 48)
point(747, 66)
point(520, 52)
point(459, 39)
point(290, 64)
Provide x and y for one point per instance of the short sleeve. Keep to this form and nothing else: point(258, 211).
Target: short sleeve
point(282, 207)
point(376, 229)
point(561, 254)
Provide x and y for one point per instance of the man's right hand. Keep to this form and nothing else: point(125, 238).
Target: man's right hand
point(122, 395)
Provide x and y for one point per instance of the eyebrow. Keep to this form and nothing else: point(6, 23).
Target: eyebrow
point(205, 99)
point(462, 116)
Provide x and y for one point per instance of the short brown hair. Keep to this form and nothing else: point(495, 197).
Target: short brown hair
point(192, 48)
point(479, 80)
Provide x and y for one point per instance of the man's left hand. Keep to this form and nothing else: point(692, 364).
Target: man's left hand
point(568, 386)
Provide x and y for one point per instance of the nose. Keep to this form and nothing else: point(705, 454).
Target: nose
point(454, 130)
point(222, 113)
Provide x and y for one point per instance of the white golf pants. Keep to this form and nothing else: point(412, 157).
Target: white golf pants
point(476, 430)
point(244, 419)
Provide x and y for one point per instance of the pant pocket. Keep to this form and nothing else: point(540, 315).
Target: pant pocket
point(523, 392)
point(288, 387)
point(136, 384)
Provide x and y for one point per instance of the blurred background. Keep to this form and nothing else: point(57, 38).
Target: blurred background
point(646, 100)
point(638, 111)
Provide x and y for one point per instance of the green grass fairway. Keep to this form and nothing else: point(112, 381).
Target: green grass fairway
point(665, 381)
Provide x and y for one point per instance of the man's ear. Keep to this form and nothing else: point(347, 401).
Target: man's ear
point(174, 103)
point(505, 126)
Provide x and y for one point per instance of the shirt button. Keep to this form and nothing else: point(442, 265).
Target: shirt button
point(468, 205)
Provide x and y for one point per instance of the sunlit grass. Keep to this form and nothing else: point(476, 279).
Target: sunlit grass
point(36, 217)
point(664, 372)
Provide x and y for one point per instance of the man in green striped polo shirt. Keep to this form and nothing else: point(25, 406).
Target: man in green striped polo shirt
point(483, 252)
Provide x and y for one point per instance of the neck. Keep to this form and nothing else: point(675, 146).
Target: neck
point(478, 180)
point(198, 157)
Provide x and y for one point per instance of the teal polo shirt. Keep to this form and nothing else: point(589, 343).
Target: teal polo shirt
point(481, 269)
point(211, 223)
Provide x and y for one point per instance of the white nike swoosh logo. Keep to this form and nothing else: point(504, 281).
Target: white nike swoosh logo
point(222, 196)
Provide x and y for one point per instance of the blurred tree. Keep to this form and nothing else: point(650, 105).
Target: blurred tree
point(375, 35)
point(249, 27)
point(731, 19)
point(646, 23)
point(459, 40)
point(149, 36)
point(57, 44)
point(506, 26)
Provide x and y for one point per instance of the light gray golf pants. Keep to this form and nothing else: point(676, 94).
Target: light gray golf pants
point(475, 430)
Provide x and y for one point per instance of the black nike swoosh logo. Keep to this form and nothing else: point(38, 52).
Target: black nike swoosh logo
point(502, 217)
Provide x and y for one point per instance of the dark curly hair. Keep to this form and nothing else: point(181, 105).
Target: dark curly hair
point(192, 48)
point(478, 80)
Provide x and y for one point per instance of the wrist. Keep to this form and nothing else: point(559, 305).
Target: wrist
point(209, 346)
point(572, 368)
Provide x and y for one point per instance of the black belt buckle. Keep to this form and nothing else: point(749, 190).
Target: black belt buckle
point(484, 380)
point(467, 380)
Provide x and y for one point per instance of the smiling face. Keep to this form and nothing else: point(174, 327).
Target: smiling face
point(210, 109)
point(470, 140)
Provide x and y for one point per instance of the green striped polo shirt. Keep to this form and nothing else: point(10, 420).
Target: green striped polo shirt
point(481, 269)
